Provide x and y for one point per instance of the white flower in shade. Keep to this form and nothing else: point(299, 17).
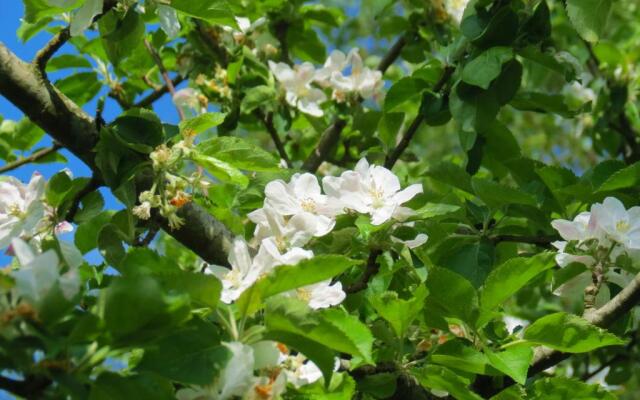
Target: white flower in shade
point(617, 223)
point(301, 372)
point(302, 195)
point(563, 259)
point(39, 273)
point(578, 93)
point(21, 207)
point(373, 190)
point(578, 229)
point(245, 26)
point(293, 232)
point(267, 387)
point(362, 80)
point(233, 381)
point(321, 295)
point(297, 83)
point(243, 273)
point(455, 8)
point(336, 63)
point(188, 99)
point(419, 240)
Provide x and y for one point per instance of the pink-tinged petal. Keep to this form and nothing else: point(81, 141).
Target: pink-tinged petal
point(63, 227)
point(408, 193)
point(567, 229)
point(306, 72)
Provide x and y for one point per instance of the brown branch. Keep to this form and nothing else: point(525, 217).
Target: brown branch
point(30, 158)
point(394, 156)
point(165, 75)
point(543, 241)
point(267, 120)
point(331, 135)
point(156, 94)
point(370, 270)
point(73, 128)
point(44, 55)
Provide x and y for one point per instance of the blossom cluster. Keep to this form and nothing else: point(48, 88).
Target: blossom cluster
point(299, 81)
point(295, 212)
point(599, 237)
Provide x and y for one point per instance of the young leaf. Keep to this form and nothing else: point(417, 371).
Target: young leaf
point(399, 312)
point(486, 67)
point(239, 152)
point(569, 333)
point(201, 123)
point(589, 17)
point(513, 362)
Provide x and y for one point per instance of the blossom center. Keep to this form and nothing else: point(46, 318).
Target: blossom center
point(377, 196)
point(16, 211)
point(304, 294)
point(308, 204)
point(623, 226)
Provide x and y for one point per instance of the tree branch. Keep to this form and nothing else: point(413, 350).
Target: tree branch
point(268, 123)
point(394, 156)
point(156, 94)
point(165, 75)
point(544, 241)
point(30, 158)
point(73, 128)
point(370, 270)
point(331, 135)
point(44, 55)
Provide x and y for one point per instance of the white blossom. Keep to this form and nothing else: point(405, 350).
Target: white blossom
point(270, 255)
point(455, 8)
point(321, 295)
point(142, 211)
point(245, 27)
point(362, 80)
point(243, 273)
point(373, 190)
point(617, 223)
point(21, 207)
point(301, 372)
point(188, 99)
point(292, 232)
point(63, 227)
point(302, 195)
point(297, 83)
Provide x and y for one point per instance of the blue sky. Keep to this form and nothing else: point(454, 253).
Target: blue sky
point(12, 12)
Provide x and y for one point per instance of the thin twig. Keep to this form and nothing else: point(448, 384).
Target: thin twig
point(394, 156)
point(268, 123)
point(163, 71)
point(156, 94)
point(44, 55)
point(93, 184)
point(151, 234)
point(543, 241)
point(370, 270)
point(331, 135)
point(31, 158)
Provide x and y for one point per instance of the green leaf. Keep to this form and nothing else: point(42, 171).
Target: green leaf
point(289, 277)
point(27, 30)
point(561, 388)
point(509, 277)
point(625, 178)
point(404, 90)
point(80, 87)
point(67, 61)
point(435, 377)
point(220, 169)
point(121, 36)
point(398, 312)
point(239, 153)
point(153, 313)
point(331, 327)
point(389, 127)
point(256, 97)
point(486, 67)
point(542, 103)
point(433, 210)
point(212, 11)
point(451, 174)
point(139, 129)
point(589, 17)
point(86, 238)
point(497, 195)
point(112, 386)
point(473, 261)
point(487, 31)
point(35, 10)
point(569, 333)
point(450, 295)
point(57, 188)
point(305, 44)
point(460, 354)
point(201, 123)
point(472, 107)
point(191, 355)
point(513, 362)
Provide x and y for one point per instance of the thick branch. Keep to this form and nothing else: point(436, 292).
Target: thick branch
point(70, 126)
point(30, 158)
